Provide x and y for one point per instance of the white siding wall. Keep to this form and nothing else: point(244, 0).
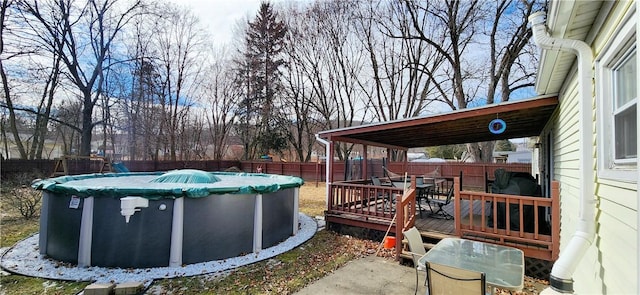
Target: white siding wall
point(610, 265)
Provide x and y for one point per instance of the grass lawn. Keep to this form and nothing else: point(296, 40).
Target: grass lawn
point(282, 274)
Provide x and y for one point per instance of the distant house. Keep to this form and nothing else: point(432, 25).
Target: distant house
point(520, 156)
point(590, 144)
point(417, 157)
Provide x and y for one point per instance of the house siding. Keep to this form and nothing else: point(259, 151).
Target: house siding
point(610, 266)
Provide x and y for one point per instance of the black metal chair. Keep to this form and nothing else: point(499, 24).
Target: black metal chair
point(425, 188)
point(437, 200)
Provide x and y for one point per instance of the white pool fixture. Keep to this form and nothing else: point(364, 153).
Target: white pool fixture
point(129, 206)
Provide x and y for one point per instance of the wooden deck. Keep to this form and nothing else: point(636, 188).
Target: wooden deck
point(438, 225)
point(358, 204)
point(426, 223)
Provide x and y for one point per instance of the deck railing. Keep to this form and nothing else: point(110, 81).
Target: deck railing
point(378, 207)
point(360, 198)
point(489, 218)
point(406, 217)
point(484, 218)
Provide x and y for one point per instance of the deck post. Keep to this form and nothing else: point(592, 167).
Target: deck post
point(329, 168)
point(365, 168)
point(555, 219)
point(399, 220)
point(456, 205)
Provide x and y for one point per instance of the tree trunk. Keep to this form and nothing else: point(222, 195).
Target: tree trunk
point(481, 152)
point(87, 126)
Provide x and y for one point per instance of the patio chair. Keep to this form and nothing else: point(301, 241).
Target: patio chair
point(376, 181)
point(440, 203)
point(425, 190)
point(416, 249)
point(443, 279)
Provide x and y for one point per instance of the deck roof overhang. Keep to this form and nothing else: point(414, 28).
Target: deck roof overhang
point(523, 118)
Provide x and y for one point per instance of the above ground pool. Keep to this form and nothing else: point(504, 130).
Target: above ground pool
point(139, 220)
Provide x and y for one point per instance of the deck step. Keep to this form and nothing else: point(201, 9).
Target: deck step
point(405, 255)
point(427, 246)
point(430, 238)
point(434, 235)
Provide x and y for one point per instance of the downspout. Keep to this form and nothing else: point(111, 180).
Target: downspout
point(563, 269)
point(326, 168)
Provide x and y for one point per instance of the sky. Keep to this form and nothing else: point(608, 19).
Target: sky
point(221, 16)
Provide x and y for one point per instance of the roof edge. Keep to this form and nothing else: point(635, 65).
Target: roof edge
point(552, 99)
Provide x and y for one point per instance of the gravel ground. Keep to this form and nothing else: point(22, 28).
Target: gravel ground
point(25, 259)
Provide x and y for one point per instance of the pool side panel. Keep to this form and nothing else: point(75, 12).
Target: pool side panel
point(63, 228)
point(143, 242)
point(277, 217)
point(217, 227)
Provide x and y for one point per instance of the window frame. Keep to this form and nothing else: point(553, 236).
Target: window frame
point(619, 109)
point(621, 46)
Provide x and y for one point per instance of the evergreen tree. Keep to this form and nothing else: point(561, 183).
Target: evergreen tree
point(260, 76)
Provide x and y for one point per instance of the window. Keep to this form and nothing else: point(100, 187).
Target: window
point(624, 109)
point(617, 99)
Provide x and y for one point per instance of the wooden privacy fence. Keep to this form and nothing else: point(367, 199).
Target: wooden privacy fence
point(473, 173)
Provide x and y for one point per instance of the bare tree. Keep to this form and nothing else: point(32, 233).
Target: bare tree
point(26, 60)
point(180, 43)
point(70, 113)
point(222, 96)
point(462, 22)
point(192, 145)
point(397, 88)
point(141, 118)
point(510, 66)
point(82, 36)
point(298, 95)
point(6, 91)
point(454, 25)
point(332, 59)
point(138, 115)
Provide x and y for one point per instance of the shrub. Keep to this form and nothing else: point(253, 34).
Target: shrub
point(21, 197)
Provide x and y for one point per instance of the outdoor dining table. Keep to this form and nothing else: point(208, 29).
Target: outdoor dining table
point(503, 266)
point(423, 189)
